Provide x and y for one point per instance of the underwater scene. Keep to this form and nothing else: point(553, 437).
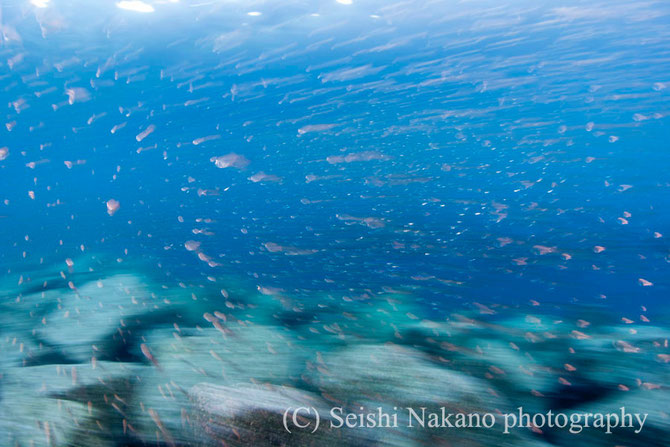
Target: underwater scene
point(334, 223)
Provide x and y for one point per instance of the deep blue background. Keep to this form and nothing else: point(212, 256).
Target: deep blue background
point(470, 105)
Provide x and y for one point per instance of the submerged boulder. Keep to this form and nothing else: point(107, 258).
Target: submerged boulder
point(649, 401)
point(254, 415)
point(397, 375)
point(391, 379)
point(237, 355)
point(59, 405)
point(97, 318)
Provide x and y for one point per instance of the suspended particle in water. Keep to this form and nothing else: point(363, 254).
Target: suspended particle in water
point(191, 245)
point(112, 206)
point(77, 94)
point(145, 133)
point(231, 160)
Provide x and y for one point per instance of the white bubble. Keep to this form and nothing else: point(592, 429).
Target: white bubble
point(135, 5)
point(39, 3)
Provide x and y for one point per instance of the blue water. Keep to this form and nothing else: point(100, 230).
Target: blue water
point(517, 120)
point(382, 173)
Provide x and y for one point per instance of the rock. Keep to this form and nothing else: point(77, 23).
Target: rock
point(330, 322)
point(253, 415)
point(487, 353)
point(395, 374)
point(654, 433)
point(25, 311)
point(58, 405)
point(96, 319)
point(19, 316)
point(18, 348)
point(243, 354)
point(536, 361)
point(366, 377)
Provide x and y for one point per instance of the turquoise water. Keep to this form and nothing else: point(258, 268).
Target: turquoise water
point(481, 185)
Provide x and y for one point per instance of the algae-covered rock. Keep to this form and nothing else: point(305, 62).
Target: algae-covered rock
point(334, 320)
point(96, 318)
point(238, 354)
point(64, 405)
point(184, 374)
point(393, 379)
point(650, 401)
point(254, 415)
point(396, 374)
